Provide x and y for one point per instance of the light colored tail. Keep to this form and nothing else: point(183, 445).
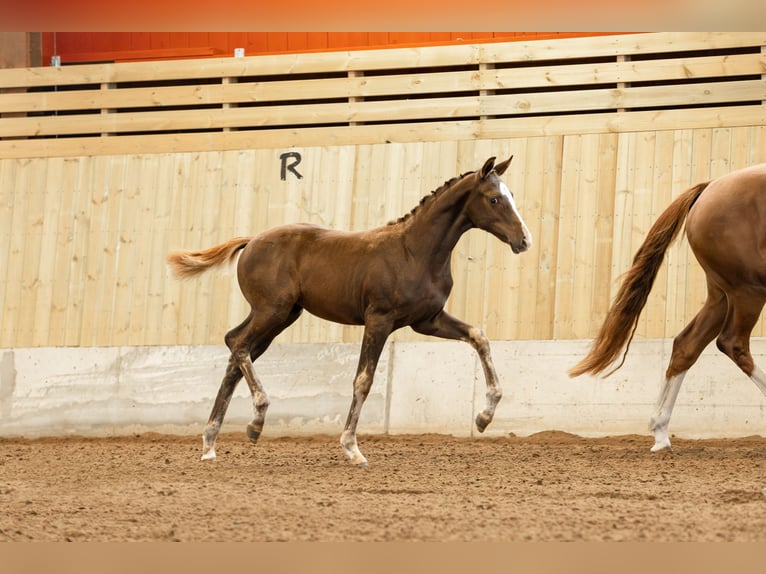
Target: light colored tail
point(620, 323)
point(185, 264)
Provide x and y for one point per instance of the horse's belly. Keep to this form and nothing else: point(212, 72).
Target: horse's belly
point(331, 306)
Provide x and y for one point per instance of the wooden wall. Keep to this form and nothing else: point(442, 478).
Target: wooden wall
point(84, 238)
point(605, 131)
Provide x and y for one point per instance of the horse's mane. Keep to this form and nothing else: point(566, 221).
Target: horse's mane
point(429, 198)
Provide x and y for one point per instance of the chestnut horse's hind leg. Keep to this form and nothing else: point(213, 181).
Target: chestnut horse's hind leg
point(375, 335)
point(446, 326)
point(734, 340)
point(687, 347)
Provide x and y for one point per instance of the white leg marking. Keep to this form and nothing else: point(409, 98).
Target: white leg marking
point(661, 419)
point(759, 378)
point(208, 441)
point(351, 448)
point(209, 455)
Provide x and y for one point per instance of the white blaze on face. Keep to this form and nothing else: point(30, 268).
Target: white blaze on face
point(509, 196)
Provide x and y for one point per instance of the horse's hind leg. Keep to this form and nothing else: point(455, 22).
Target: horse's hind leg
point(264, 325)
point(687, 347)
point(734, 340)
point(225, 391)
point(247, 342)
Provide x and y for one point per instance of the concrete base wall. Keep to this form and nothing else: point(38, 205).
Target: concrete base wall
point(420, 387)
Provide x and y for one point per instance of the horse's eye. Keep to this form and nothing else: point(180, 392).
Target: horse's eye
point(494, 200)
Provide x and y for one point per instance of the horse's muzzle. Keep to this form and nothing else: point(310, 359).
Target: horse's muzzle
point(523, 245)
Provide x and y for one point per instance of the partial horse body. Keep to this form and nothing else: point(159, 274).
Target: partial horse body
point(385, 278)
point(726, 229)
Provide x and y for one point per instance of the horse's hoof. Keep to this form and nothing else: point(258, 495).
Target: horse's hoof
point(209, 455)
point(661, 445)
point(482, 420)
point(253, 433)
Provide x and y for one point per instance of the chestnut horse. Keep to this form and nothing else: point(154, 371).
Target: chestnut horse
point(386, 278)
point(726, 229)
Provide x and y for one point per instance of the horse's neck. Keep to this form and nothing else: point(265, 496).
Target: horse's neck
point(436, 228)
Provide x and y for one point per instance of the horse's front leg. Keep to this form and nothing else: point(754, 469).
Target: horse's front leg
point(446, 326)
point(375, 334)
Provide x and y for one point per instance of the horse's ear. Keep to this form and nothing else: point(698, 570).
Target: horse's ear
point(501, 167)
point(487, 167)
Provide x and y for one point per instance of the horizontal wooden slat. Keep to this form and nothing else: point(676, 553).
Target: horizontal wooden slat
point(715, 117)
point(390, 85)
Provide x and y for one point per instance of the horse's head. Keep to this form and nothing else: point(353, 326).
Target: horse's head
point(491, 207)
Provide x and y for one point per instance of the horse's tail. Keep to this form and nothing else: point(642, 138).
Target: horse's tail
point(185, 264)
point(622, 318)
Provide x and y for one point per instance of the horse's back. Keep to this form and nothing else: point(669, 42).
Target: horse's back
point(323, 270)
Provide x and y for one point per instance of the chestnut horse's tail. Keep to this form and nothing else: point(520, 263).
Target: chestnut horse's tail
point(622, 318)
point(185, 264)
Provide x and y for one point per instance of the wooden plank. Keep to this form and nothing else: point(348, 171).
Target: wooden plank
point(566, 270)
point(8, 186)
point(136, 182)
point(31, 250)
point(627, 44)
point(548, 193)
point(443, 131)
point(65, 190)
point(170, 320)
point(99, 246)
point(626, 71)
point(80, 213)
point(155, 249)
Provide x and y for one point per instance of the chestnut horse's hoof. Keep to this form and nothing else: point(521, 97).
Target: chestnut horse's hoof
point(253, 433)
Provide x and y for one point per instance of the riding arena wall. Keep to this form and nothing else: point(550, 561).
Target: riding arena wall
point(106, 168)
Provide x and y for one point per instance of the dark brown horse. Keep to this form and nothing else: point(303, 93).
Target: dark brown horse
point(726, 229)
point(385, 278)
